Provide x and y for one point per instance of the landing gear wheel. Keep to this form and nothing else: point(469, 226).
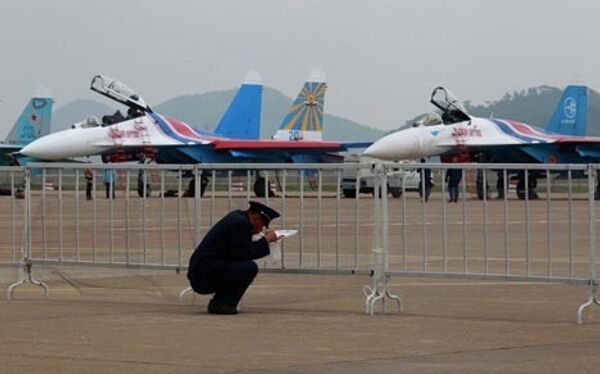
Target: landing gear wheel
point(395, 191)
point(349, 193)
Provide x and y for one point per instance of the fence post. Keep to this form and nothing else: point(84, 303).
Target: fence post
point(592, 285)
point(379, 289)
point(26, 244)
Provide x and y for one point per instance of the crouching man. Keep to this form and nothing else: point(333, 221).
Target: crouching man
point(222, 263)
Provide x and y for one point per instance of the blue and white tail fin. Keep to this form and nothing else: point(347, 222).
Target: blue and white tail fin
point(34, 121)
point(242, 118)
point(570, 115)
point(304, 119)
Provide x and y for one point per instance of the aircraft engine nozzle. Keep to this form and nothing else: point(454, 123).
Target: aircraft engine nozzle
point(401, 145)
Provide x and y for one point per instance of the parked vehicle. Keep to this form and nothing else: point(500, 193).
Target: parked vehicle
point(366, 178)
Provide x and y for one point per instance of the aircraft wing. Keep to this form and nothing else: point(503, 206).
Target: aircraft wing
point(589, 140)
point(276, 145)
point(562, 148)
point(6, 151)
point(557, 140)
point(348, 145)
point(6, 148)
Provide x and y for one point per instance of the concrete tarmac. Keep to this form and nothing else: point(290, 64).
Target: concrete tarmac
point(129, 321)
point(101, 320)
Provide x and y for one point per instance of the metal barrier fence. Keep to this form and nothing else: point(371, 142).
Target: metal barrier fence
point(158, 214)
point(12, 191)
point(546, 232)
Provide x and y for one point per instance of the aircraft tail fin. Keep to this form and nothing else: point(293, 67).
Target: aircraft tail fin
point(242, 117)
point(34, 121)
point(570, 115)
point(304, 119)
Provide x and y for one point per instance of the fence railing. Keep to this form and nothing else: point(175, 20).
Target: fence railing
point(535, 222)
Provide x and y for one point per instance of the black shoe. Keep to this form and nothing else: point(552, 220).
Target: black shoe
point(221, 309)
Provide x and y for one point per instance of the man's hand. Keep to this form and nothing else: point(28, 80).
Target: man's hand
point(270, 235)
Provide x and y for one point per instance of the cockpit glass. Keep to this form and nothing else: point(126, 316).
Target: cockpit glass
point(452, 109)
point(117, 90)
point(91, 121)
point(121, 88)
point(444, 98)
point(431, 119)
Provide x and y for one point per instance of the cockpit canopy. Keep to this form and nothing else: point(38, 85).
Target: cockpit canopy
point(118, 91)
point(452, 109)
point(89, 122)
point(429, 119)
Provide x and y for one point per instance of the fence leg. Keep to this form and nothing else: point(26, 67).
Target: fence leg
point(592, 299)
point(379, 292)
point(379, 289)
point(370, 294)
point(26, 277)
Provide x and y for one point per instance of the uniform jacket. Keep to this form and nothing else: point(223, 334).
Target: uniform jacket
point(425, 173)
point(453, 176)
point(229, 240)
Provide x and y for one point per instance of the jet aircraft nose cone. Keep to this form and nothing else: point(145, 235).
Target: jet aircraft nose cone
point(50, 147)
point(401, 145)
point(33, 149)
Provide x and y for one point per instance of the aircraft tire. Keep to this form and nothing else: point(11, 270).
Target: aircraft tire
point(349, 193)
point(395, 191)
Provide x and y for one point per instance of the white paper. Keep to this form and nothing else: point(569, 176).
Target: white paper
point(285, 233)
point(275, 249)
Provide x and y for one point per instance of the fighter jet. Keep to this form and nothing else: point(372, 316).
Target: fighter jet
point(492, 140)
point(300, 132)
point(173, 141)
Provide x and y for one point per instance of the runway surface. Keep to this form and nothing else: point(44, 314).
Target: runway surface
point(125, 320)
point(101, 320)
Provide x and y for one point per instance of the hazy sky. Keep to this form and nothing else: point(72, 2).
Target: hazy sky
point(382, 57)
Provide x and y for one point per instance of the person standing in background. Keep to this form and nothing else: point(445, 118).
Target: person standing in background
point(453, 178)
point(89, 183)
point(110, 180)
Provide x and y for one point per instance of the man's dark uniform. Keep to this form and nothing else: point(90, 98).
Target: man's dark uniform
point(453, 177)
point(222, 263)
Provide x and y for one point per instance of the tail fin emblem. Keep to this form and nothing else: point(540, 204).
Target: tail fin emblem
point(570, 107)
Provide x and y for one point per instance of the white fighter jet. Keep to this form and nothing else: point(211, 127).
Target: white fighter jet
point(495, 140)
point(456, 135)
